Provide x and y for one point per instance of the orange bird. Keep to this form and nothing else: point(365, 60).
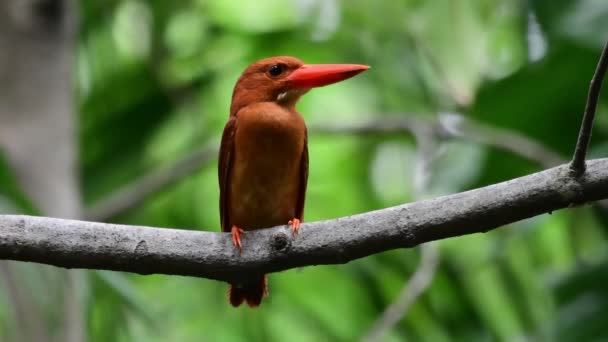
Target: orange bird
point(263, 162)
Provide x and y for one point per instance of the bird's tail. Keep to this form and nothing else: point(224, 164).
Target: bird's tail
point(251, 292)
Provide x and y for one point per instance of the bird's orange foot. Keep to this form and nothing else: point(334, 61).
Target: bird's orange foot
point(236, 236)
point(295, 225)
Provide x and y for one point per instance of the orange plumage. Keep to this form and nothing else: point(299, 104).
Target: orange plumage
point(263, 166)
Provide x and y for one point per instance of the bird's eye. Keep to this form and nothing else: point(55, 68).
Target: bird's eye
point(276, 70)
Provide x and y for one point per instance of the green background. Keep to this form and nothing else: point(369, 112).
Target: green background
point(153, 82)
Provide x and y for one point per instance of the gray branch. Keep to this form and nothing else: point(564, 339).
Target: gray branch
point(147, 250)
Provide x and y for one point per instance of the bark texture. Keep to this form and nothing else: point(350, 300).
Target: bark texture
point(147, 250)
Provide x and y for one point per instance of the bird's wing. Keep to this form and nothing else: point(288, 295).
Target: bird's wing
point(224, 167)
point(303, 180)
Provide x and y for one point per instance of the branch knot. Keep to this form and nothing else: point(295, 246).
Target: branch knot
point(141, 250)
point(280, 242)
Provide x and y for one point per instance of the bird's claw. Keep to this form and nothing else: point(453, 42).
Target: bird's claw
point(295, 225)
point(236, 236)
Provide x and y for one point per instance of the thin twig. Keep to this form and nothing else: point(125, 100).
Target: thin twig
point(414, 288)
point(577, 166)
point(146, 250)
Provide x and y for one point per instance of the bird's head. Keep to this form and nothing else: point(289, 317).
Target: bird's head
point(284, 79)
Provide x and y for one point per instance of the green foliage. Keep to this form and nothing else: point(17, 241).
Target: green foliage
point(12, 199)
point(154, 83)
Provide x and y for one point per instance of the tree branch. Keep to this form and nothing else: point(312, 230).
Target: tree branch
point(145, 250)
point(577, 166)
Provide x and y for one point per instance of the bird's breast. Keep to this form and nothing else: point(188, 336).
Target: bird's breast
point(266, 172)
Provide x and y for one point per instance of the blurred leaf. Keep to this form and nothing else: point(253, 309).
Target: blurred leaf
point(344, 319)
point(553, 247)
point(449, 174)
point(583, 21)
point(484, 284)
point(583, 302)
point(253, 16)
point(186, 33)
point(426, 327)
point(127, 293)
point(530, 296)
point(486, 289)
point(392, 172)
point(531, 99)
point(448, 301)
point(132, 29)
point(532, 102)
point(178, 135)
point(113, 294)
point(583, 280)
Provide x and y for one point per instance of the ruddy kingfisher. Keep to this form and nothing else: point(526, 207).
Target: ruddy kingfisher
point(263, 161)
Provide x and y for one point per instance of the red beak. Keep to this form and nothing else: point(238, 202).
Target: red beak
point(318, 75)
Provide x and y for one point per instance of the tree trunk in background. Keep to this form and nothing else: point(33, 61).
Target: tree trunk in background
point(37, 135)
